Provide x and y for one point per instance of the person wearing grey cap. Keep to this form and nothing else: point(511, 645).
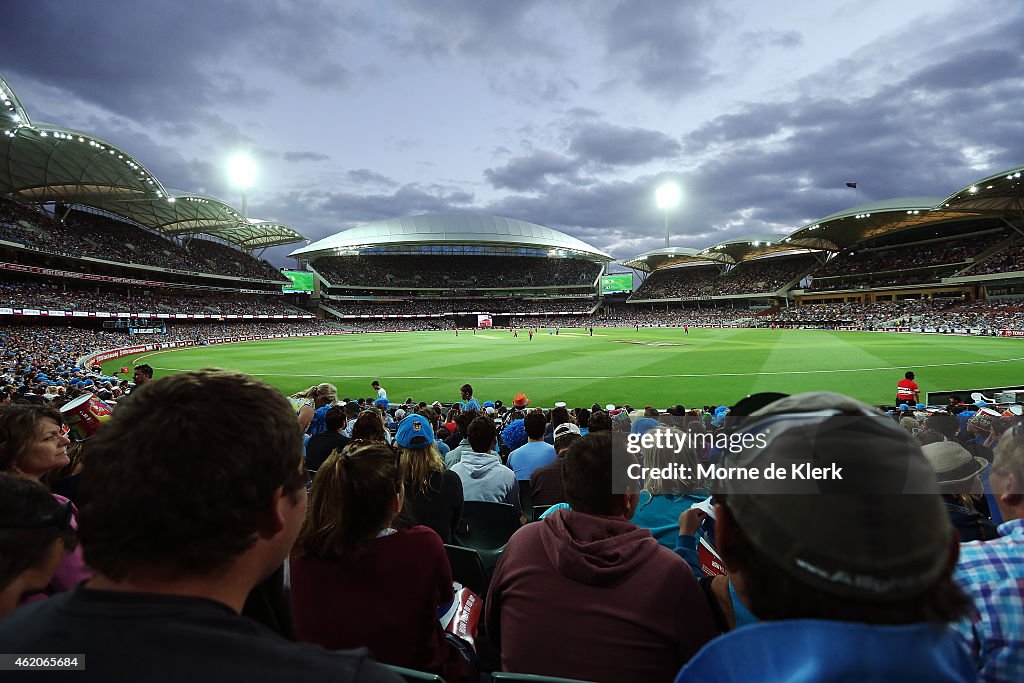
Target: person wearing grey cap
point(992, 573)
point(848, 575)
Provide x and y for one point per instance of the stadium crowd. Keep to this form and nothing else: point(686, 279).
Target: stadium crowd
point(73, 296)
point(659, 581)
point(948, 251)
point(929, 314)
point(456, 272)
point(1007, 260)
point(86, 234)
point(447, 305)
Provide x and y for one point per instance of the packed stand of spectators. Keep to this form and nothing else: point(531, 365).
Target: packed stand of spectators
point(908, 256)
point(456, 272)
point(43, 295)
point(917, 314)
point(764, 275)
point(658, 581)
point(1007, 260)
point(694, 317)
point(435, 306)
point(87, 234)
point(673, 283)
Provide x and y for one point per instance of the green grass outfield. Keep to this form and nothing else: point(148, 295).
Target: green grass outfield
point(615, 365)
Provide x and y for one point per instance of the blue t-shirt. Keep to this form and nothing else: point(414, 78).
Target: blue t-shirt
point(661, 513)
point(528, 457)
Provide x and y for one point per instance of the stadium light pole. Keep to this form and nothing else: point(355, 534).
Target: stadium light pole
point(242, 173)
point(668, 196)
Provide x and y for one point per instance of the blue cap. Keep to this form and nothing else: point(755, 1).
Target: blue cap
point(643, 425)
point(904, 406)
point(488, 404)
point(414, 432)
point(382, 403)
point(921, 406)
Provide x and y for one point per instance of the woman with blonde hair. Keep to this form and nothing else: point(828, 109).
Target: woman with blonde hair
point(312, 405)
point(349, 559)
point(433, 494)
point(665, 498)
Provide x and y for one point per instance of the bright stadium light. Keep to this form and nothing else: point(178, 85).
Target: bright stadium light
point(667, 196)
point(242, 173)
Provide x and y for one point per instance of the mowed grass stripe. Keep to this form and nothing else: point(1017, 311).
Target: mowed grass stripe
point(709, 366)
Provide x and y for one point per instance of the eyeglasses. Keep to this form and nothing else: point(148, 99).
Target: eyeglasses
point(59, 518)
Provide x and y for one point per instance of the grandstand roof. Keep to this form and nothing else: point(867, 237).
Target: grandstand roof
point(41, 162)
point(463, 229)
point(746, 248)
point(856, 224)
point(668, 257)
point(998, 193)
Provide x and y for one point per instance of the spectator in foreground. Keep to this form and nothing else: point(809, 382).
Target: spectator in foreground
point(483, 476)
point(664, 499)
point(535, 452)
point(326, 442)
point(178, 531)
point(433, 495)
point(546, 482)
point(349, 559)
point(992, 573)
point(623, 607)
point(35, 533)
point(851, 579)
point(33, 443)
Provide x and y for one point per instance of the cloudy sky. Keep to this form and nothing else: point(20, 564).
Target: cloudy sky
point(566, 114)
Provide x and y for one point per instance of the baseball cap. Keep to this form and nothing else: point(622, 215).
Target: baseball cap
point(565, 428)
point(414, 432)
point(865, 537)
point(382, 403)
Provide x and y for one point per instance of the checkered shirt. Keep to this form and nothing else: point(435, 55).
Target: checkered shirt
point(992, 573)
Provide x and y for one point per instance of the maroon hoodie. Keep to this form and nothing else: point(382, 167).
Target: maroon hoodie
point(596, 598)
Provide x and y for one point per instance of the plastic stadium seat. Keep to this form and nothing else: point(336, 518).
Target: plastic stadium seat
point(532, 678)
point(413, 675)
point(487, 526)
point(526, 499)
point(467, 568)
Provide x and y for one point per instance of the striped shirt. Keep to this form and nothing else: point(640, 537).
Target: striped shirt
point(992, 573)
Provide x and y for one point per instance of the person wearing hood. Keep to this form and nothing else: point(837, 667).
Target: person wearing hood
point(483, 476)
point(587, 594)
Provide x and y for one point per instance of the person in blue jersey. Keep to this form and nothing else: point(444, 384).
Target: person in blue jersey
point(851, 576)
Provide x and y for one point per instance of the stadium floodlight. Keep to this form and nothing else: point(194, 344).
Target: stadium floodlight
point(242, 173)
point(667, 196)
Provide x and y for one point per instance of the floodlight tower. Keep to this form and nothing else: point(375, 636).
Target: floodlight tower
point(242, 173)
point(667, 196)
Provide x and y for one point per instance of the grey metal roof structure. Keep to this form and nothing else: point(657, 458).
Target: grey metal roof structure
point(668, 257)
point(41, 163)
point(846, 228)
point(748, 247)
point(998, 193)
point(463, 229)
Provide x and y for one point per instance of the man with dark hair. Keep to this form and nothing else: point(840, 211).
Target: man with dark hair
point(352, 411)
point(535, 452)
point(381, 393)
point(600, 421)
point(546, 482)
point(623, 607)
point(143, 373)
point(850, 576)
point(483, 476)
point(559, 415)
point(459, 438)
point(469, 402)
point(323, 444)
point(178, 532)
point(907, 390)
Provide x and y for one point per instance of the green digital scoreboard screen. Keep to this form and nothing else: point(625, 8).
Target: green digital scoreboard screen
point(301, 281)
point(615, 284)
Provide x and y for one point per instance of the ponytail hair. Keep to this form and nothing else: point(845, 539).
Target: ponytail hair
point(352, 500)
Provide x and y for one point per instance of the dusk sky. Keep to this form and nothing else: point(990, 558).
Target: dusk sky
point(566, 114)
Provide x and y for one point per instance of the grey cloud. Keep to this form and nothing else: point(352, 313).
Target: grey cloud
point(665, 51)
point(305, 156)
point(364, 176)
point(530, 172)
point(604, 143)
point(122, 68)
point(759, 40)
